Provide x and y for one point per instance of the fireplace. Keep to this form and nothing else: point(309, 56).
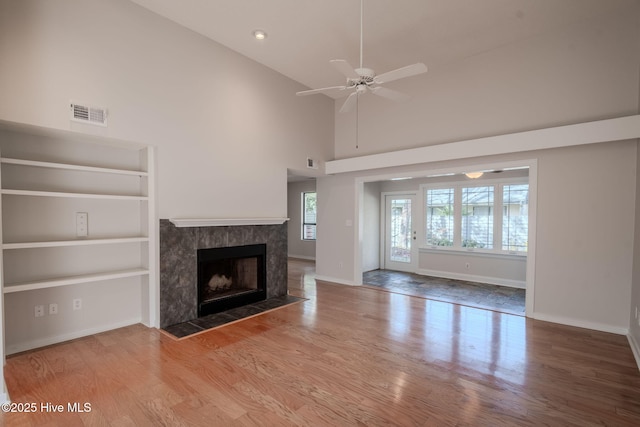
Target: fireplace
point(230, 277)
point(179, 247)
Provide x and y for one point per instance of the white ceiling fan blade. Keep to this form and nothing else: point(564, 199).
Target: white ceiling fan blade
point(401, 73)
point(394, 95)
point(349, 103)
point(345, 68)
point(324, 90)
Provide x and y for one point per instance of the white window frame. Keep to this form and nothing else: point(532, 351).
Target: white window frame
point(303, 219)
point(498, 216)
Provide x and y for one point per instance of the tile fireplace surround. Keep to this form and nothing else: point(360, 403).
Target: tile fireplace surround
point(178, 262)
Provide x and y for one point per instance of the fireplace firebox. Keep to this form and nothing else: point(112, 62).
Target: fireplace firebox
point(230, 277)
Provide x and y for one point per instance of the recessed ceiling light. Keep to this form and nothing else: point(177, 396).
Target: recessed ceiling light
point(259, 35)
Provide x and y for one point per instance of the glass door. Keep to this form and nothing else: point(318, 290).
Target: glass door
point(400, 235)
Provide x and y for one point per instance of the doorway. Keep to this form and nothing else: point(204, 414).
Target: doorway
point(400, 244)
point(387, 185)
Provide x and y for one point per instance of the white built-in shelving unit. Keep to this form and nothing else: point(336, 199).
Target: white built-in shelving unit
point(48, 176)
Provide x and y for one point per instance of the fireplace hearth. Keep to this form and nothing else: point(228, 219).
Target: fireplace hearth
point(230, 277)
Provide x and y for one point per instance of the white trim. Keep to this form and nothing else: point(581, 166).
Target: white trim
point(635, 349)
point(581, 323)
point(617, 129)
point(385, 263)
point(4, 394)
point(224, 222)
point(498, 185)
point(309, 258)
point(337, 281)
point(531, 244)
point(520, 284)
point(42, 342)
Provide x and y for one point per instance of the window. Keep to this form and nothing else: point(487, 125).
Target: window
point(477, 217)
point(491, 217)
point(515, 219)
point(309, 216)
point(439, 228)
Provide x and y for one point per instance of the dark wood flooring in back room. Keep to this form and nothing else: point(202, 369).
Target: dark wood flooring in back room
point(480, 295)
point(347, 356)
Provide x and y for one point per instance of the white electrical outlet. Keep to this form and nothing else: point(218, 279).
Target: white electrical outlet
point(53, 308)
point(467, 265)
point(39, 311)
point(77, 304)
point(82, 224)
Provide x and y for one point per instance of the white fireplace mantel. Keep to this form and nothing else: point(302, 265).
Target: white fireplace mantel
point(222, 222)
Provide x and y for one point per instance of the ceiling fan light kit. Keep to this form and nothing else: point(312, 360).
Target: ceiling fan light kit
point(362, 80)
point(474, 175)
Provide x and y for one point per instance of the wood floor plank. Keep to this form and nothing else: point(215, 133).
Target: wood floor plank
point(347, 356)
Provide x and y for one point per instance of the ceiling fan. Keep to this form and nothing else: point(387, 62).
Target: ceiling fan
point(362, 80)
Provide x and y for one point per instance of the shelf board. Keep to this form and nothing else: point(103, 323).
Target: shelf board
point(77, 242)
point(73, 280)
point(70, 195)
point(65, 166)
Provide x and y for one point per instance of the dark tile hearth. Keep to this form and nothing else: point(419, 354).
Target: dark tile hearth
point(491, 297)
point(184, 329)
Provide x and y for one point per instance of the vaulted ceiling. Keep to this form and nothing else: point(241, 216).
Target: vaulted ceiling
point(303, 35)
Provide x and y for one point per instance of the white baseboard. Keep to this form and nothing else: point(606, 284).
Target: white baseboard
point(4, 395)
point(338, 281)
point(581, 323)
point(308, 258)
point(635, 348)
point(42, 342)
point(520, 284)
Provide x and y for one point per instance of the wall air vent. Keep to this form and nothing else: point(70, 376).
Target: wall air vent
point(311, 164)
point(87, 114)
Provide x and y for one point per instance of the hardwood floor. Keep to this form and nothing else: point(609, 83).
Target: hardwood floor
point(349, 356)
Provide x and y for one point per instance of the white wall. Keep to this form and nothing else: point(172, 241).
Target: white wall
point(575, 74)
point(335, 251)
point(584, 252)
point(584, 259)
point(634, 316)
point(503, 270)
point(298, 248)
point(370, 220)
point(225, 126)
point(634, 330)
